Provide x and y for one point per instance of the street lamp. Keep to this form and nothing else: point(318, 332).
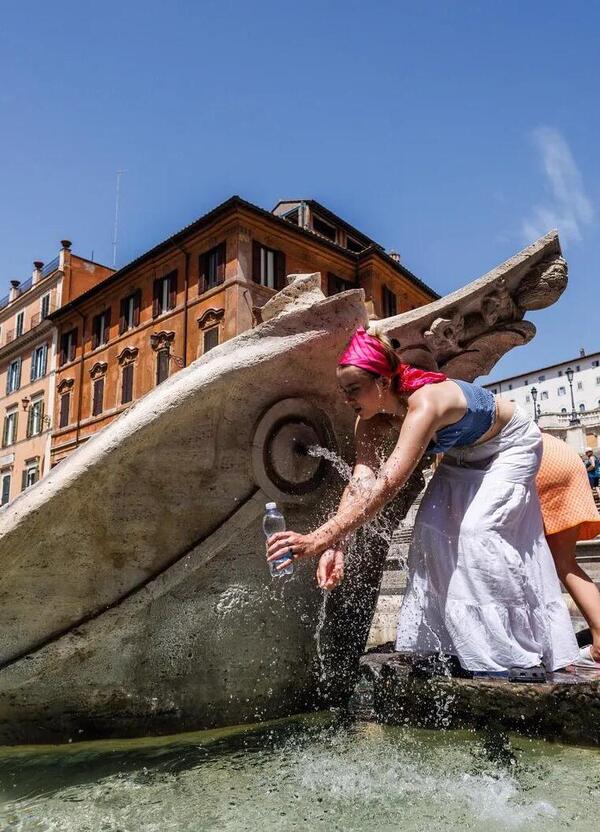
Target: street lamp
point(534, 393)
point(574, 420)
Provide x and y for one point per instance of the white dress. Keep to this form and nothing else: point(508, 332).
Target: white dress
point(482, 584)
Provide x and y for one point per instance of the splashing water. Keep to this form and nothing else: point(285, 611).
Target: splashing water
point(297, 775)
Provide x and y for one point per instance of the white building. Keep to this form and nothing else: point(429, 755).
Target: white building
point(565, 403)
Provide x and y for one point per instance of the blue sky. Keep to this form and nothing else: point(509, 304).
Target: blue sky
point(454, 132)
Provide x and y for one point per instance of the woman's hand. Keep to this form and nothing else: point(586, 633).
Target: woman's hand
point(300, 546)
point(330, 571)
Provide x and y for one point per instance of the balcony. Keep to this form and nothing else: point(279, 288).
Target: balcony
point(587, 418)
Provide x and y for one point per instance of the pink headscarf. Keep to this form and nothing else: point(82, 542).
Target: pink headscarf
point(369, 354)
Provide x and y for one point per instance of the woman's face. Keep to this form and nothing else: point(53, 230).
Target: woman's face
point(365, 394)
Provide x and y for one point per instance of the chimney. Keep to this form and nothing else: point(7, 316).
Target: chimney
point(395, 255)
point(65, 247)
point(581, 352)
point(15, 290)
point(37, 275)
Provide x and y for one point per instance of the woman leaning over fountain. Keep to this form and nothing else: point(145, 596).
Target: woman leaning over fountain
point(482, 585)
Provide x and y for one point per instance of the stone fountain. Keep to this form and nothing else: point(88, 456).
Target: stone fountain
point(135, 597)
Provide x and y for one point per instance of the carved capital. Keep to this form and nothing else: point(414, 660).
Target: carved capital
point(99, 369)
point(161, 340)
point(127, 355)
point(544, 284)
point(65, 385)
point(444, 334)
point(210, 317)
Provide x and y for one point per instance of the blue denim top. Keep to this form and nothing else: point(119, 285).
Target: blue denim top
point(480, 415)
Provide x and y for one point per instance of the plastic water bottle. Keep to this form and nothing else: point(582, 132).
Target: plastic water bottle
point(273, 522)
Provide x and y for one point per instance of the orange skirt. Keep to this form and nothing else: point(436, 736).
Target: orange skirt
point(566, 498)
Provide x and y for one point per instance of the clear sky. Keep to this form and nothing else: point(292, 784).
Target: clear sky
point(454, 132)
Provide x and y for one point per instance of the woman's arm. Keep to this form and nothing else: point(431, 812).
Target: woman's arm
point(418, 428)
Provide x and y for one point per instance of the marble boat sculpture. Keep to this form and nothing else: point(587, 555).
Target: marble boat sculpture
point(135, 597)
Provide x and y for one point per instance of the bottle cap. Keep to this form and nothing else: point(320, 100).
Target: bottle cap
point(271, 506)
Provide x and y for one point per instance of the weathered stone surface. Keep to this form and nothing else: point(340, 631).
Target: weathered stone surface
point(567, 707)
point(135, 596)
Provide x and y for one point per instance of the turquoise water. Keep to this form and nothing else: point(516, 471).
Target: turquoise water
point(302, 774)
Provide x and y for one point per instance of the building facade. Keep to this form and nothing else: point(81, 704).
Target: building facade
point(27, 364)
point(565, 398)
point(198, 288)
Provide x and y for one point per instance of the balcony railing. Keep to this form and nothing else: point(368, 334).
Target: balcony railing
point(26, 285)
point(50, 267)
point(587, 418)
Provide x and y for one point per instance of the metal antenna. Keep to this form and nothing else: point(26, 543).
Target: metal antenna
point(116, 230)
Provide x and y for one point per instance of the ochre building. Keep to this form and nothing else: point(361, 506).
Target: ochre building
point(28, 363)
point(200, 287)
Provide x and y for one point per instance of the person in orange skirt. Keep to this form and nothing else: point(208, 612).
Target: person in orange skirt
point(569, 515)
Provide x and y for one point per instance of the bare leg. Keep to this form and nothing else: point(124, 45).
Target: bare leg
point(578, 584)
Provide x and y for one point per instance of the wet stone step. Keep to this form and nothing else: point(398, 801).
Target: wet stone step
point(392, 691)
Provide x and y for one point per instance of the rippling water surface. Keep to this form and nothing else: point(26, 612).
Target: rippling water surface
point(302, 774)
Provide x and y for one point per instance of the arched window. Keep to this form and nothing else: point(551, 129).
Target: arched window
point(582, 408)
point(563, 410)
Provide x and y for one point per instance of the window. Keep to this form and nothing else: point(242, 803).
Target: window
point(35, 418)
point(560, 373)
point(31, 474)
point(98, 397)
point(162, 365)
point(45, 306)
point(20, 324)
point(68, 346)
point(578, 368)
point(526, 382)
point(595, 363)
point(510, 386)
point(165, 294)
point(563, 410)
point(212, 268)
point(130, 311)
point(268, 266)
point(562, 391)
point(65, 403)
point(388, 302)
point(580, 385)
point(541, 378)
point(324, 228)
point(353, 245)
point(39, 361)
point(127, 384)
point(597, 379)
point(101, 329)
point(5, 489)
point(211, 338)
point(582, 408)
point(9, 435)
point(495, 391)
point(13, 377)
point(544, 394)
point(293, 216)
point(336, 284)
point(527, 398)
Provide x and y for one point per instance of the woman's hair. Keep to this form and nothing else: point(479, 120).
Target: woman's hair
point(390, 352)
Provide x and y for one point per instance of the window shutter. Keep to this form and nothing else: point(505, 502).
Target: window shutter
point(73, 349)
point(18, 384)
point(62, 357)
point(5, 432)
point(127, 388)
point(65, 401)
point(107, 325)
point(5, 488)
point(122, 316)
point(44, 360)
point(279, 270)
point(98, 396)
point(95, 332)
point(173, 290)
point(29, 431)
point(33, 363)
point(256, 250)
point(156, 299)
point(202, 267)
point(221, 263)
point(24, 479)
point(137, 302)
point(331, 284)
